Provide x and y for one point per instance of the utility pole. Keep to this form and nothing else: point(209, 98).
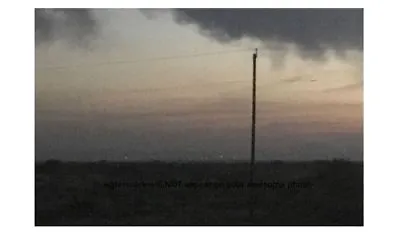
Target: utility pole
point(253, 125)
point(252, 197)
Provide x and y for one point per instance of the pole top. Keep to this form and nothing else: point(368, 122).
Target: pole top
point(255, 53)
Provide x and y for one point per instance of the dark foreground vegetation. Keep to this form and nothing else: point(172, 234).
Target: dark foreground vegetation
point(156, 193)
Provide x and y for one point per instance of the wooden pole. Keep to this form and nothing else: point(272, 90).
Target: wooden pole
point(253, 124)
point(253, 141)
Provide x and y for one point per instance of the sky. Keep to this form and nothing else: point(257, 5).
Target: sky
point(175, 84)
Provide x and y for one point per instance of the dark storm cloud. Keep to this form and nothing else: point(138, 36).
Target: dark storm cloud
point(75, 26)
point(312, 30)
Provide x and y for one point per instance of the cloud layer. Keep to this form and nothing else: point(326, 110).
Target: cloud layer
point(311, 30)
point(74, 26)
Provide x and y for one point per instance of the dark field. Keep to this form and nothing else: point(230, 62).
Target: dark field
point(328, 193)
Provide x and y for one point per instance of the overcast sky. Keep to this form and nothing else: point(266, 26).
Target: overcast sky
point(101, 93)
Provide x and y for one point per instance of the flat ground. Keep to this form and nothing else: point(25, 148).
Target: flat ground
point(329, 193)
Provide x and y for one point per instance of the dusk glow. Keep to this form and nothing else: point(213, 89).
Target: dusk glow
point(145, 85)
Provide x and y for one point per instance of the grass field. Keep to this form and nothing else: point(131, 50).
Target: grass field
point(105, 193)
